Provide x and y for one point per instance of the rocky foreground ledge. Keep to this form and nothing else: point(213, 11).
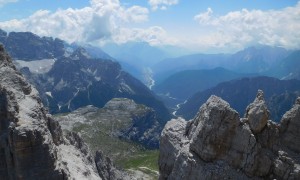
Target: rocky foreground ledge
point(218, 144)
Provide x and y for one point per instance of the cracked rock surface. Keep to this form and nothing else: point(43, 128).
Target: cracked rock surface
point(218, 144)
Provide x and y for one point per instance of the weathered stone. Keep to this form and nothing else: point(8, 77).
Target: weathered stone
point(257, 113)
point(217, 145)
point(290, 128)
point(213, 129)
point(172, 137)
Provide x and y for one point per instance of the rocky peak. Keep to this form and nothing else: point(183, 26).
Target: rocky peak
point(259, 96)
point(214, 116)
point(80, 53)
point(3, 33)
point(29, 47)
point(3, 36)
point(217, 144)
point(257, 113)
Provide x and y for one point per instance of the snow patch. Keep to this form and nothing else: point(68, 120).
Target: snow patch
point(49, 94)
point(126, 88)
point(287, 77)
point(60, 85)
point(36, 66)
point(98, 78)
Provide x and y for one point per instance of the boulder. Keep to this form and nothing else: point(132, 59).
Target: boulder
point(257, 113)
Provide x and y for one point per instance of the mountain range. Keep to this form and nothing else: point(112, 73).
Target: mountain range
point(240, 93)
point(75, 78)
point(287, 68)
point(253, 60)
point(180, 86)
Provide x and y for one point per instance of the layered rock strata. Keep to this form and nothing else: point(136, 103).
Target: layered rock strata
point(218, 144)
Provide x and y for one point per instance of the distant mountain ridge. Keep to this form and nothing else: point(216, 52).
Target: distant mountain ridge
point(28, 46)
point(79, 80)
point(185, 83)
point(287, 68)
point(257, 59)
point(170, 66)
point(76, 78)
point(240, 92)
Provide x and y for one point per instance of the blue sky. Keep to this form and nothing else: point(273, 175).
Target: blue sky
point(214, 25)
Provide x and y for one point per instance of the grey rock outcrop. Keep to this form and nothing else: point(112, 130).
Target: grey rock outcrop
point(32, 145)
point(257, 113)
point(290, 127)
point(218, 144)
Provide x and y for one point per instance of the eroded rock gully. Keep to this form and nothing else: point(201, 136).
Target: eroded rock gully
point(218, 144)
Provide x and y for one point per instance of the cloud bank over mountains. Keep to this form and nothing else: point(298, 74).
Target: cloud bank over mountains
point(110, 20)
point(247, 27)
point(100, 21)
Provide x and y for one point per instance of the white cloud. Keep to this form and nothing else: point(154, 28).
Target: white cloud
point(247, 27)
point(99, 21)
point(162, 4)
point(3, 2)
point(155, 36)
point(205, 17)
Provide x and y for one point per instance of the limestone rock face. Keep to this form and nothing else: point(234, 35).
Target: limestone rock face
point(213, 129)
point(218, 144)
point(172, 137)
point(27, 150)
point(290, 127)
point(257, 113)
point(32, 145)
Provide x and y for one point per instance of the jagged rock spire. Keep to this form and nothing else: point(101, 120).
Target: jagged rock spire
point(259, 95)
point(257, 113)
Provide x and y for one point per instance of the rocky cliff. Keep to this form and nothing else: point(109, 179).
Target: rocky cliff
point(32, 145)
point(218, 144)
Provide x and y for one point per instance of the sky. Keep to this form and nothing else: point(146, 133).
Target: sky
point(197, 25)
